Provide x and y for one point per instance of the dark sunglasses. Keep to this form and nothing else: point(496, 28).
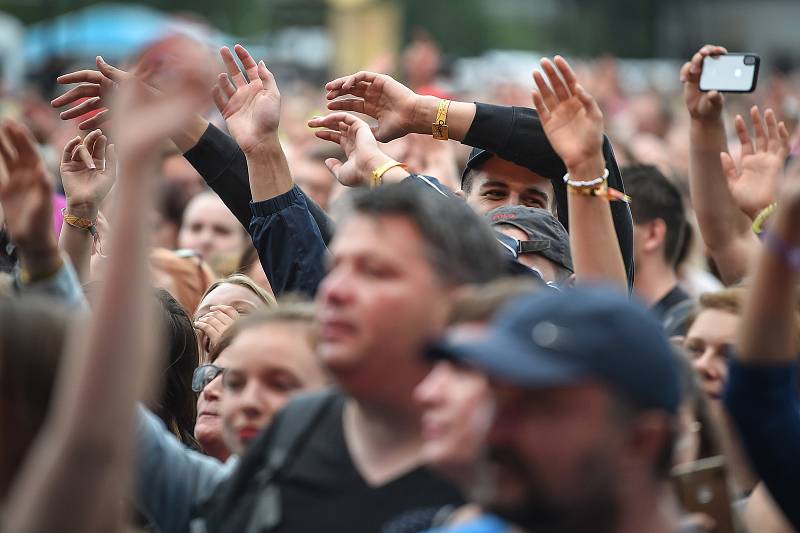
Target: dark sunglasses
point(203, 375)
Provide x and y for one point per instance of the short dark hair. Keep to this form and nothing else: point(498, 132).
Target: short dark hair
point(461, 247)
point(466, 181)
point(655, 197)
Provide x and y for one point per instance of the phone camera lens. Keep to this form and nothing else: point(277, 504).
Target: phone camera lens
point(749, 60)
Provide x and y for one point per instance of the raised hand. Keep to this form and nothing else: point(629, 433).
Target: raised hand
point(214, 323)
point(702, 106)
point(570, 117)
point(252, 110)
point(359, 145)
point(755, 181)
point(394, 105)
point(88, 171)
point(26, 190)
point(97, 86)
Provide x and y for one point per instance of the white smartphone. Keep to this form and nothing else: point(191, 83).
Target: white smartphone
point(730, 73)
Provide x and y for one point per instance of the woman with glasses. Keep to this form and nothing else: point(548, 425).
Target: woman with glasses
point(252, 372)
point(224, 302)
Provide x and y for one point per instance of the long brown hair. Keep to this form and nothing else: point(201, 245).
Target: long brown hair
point(32, 338)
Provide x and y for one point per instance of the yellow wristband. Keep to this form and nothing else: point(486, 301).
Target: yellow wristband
point(439, 128)
point(761, 218)
point(377, 174)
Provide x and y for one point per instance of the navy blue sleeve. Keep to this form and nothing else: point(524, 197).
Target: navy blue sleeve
point(763, 401)
point(223, 166)
point(289, 243)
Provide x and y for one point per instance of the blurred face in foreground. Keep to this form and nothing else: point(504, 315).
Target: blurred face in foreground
point(456, 413)
point(265, 365)
point(498, 183)
point(712, 334)
point(379, 304)
point(553, 458)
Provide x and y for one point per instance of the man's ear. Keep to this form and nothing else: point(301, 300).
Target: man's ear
point(461, 194)
point(654, 235)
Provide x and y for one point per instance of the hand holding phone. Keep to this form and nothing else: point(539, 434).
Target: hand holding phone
point(702, 487)
point(730, 73)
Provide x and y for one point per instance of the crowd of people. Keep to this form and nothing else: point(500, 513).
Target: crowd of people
point(371, 306)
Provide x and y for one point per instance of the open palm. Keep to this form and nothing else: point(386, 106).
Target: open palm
point(26, 187)
point(570, 117)
point(756, 181)
point(359, 145)
point(380, 96)
point(87, 187)
point(252, 110)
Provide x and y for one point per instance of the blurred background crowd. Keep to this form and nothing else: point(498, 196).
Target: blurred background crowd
point(626, 53)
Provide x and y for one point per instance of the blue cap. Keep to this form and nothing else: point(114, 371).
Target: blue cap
point(560, 338)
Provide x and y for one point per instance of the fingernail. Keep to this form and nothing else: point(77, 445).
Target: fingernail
point(100, 59)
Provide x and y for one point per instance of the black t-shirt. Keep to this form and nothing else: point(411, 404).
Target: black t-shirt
point(321, 490)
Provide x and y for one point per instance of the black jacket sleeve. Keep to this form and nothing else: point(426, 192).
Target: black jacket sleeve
point(223, 165)
point(516, 134)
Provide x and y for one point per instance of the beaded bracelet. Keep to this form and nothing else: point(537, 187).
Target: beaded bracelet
point(586, 184)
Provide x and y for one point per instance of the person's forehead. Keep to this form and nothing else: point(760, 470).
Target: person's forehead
point(272, 345)
point(502, 171)
point(206, 206)
point(511, 395)
point(227, 293)
point(715, 325)
point(379, 236)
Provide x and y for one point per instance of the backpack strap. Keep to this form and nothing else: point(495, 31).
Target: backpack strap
point(299, 420)
point(250, 499)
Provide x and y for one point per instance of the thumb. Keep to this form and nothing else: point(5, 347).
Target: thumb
point(109, 71)
point(728, 167)
point(333, 165)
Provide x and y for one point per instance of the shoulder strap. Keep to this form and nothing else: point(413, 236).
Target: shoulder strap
point(298, 421)
point(250, 490)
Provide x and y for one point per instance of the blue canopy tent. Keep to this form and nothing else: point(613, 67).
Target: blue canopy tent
point(111, 30)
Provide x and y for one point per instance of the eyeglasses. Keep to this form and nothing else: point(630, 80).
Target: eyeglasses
point(203, 375)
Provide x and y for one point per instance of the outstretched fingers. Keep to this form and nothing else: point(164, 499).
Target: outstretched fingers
point(744, 135)
point(347, 104)
point(96, 121)
point(541, 108)
point(90, 104)
point(249, 64)
point(549, 99)
point(558, 85)
point(758, 128)
point(84, 90)
point(237, 78)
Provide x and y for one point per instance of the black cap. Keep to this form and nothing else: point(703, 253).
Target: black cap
point(546, 235)
point(560, 338)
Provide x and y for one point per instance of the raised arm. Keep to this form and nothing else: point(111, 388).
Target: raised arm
point(573, 124)
point(505, 131)
point(724, 227)
point(756, 179)
point(762, 387)
point(217, 157)
point(88, 171)
point(78, 468)
point(285, 234)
